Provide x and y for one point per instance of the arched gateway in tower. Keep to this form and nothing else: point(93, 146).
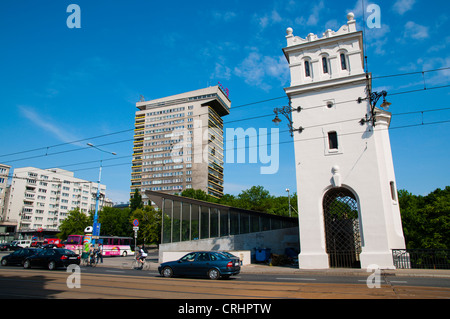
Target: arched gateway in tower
point(348, 208)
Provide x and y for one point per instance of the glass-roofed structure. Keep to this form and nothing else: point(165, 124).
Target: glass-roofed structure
point(187, 219)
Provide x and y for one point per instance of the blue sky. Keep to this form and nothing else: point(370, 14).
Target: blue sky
point(60, 85)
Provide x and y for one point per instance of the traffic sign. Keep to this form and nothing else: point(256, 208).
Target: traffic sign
point(135, 222)
point(135, 228)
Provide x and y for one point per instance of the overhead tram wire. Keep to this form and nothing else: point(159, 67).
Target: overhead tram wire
point(236, 107)
point(248, 147)
point(243, 105)
point(279, 143)
point(282, 131)
point(409, 73)
point(248, 104)
point(67, 143)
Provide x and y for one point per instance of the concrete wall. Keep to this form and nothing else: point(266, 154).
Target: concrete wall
point(276, 240)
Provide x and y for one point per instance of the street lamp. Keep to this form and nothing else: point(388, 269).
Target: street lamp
point(287, 112)
point(96, 225)
point(289, 201)
point(373, 98)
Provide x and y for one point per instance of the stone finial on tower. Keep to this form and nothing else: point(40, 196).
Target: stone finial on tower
point(351, 22)
point(350, 16)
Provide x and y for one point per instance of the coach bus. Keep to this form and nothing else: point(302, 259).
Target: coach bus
point(112, 245)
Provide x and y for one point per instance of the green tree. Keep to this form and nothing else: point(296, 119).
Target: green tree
point(74, 224)
point(136, 201)
point(426, 219)
point(149, 225)
point(115, 221)
point(198, 194)
point(256, 198)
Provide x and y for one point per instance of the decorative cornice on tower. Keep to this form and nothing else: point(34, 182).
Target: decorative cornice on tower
point(346, 28)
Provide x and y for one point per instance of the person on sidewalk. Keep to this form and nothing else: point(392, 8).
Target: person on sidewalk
point(100, 253)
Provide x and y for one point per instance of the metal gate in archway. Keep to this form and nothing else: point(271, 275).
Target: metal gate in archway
point(342, 233)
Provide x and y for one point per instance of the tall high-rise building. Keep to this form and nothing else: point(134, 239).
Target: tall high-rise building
point(178, 142)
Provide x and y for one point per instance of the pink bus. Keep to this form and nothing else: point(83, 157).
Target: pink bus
point(112, 245)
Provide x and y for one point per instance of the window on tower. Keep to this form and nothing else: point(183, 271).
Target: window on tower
point(343, 62)
point(332, 140)
point(325, 65)
point(307, 69)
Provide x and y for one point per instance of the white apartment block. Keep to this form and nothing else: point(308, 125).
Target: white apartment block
point(40, 199)
point(4, 173)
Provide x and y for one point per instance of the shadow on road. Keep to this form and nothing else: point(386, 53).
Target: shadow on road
point(34, 287)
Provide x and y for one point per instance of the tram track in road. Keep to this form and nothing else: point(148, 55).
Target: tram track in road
point(20, 283)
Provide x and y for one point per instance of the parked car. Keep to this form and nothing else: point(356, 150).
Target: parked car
point(24, 243)
point(37, 244)
point(53, 241)
point(9, 247)
point(50, 246)
point(6, 247)
point(19, 256)
point(211, 264)
point(52, 258)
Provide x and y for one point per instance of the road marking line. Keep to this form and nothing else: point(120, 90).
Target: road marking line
point(312, 279)
point(118, 271)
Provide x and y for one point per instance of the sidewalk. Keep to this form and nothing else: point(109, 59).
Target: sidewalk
point(152, 264)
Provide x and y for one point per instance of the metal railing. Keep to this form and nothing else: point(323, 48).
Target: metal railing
point(421, 258)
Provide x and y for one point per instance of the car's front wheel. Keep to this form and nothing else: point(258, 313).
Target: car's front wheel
point(4, 262)
point(213, 274)
point(51, 265)
point(27, 264)
point(167, 272)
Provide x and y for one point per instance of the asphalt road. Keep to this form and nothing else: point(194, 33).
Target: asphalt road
point(294, 278)
point(113, 283)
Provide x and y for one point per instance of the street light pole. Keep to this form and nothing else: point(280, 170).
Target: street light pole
point(289, 201)
point(96, 225)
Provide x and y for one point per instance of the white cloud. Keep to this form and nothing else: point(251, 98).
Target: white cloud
point(258, 70)
point(402, 6)
point(268, 19)
point(415, 31)
point(48, 125)
point(315, 14)
point(377, 38)
point(224, 16)
point(221, 72)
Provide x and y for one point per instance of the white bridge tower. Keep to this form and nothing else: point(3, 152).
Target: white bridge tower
point(348, 207)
